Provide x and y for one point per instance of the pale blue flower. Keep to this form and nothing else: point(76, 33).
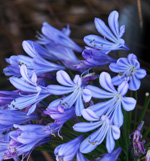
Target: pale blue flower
point(112, 37)
point(105, 129)
point(112, 107)
point(76, 88)
point(128, 69)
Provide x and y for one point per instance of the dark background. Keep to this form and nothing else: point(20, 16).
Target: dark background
point(22, 19)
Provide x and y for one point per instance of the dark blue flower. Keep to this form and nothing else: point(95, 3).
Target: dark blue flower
point(112, 38)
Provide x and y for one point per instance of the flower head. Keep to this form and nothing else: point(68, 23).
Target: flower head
point(128, 69)
point(112, 38)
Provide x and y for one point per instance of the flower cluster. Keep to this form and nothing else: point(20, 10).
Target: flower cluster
point(39, 110)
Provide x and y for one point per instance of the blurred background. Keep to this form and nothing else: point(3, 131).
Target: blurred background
point(22, 20)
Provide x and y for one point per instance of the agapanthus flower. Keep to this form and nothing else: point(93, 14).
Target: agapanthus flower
point(76, 88)
point(128, 69)
point(59, 114)
point(54, 36)
point(67, 151)
point(138, 145)
point(112, 107)
point(10, 117)
point(34, 92)
point(94, 57)
point(105, 129)
point(112, 37)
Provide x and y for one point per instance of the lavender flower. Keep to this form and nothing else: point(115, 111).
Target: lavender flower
point(111, 107)
point(147, 156)
point(78, 90)
point(94, 58)
point(67, 151)
point(138, 146)
point(106, 129)
point(35, 93)
point(128, 69)
point(112, 38)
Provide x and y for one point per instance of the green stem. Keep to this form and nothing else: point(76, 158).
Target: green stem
point(135, 118)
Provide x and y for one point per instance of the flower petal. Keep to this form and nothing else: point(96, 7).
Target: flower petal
point(128, 103)
point(140, 73)
point(113, 22)
point(63, 78)
point(123, 88)
point(134, 83)
point(110, 143)
point(59, 90)
point(99, 93)
point(87, 95)
point(79, 106)
point(106, 83)
point(115, 132)
point(89, 115)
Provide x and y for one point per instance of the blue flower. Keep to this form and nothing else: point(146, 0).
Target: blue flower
point(54, 37)
point(10, 117)
point(67, 151)
point(75, 87)
point(112, 38)
point(112, 107)
point(94, 58)
point(34, 93)
point(105, 129)
point(128, 69)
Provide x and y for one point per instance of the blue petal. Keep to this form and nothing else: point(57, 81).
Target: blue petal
point(118, 116)
point(77, 80)
point(110, 143)
point(63, 78)
point(59, 90)
point(99, 93)
point(22, 85)
point(115, 132)
point(134, 83)
point(80, 157)
point(123, 88)
point(86, 127)
point(113, 23)
point(122, 30)
point(140, 73)
point(79, 106)
point(128, 103)
point(106, 83)
point(89, 115)
point(87, 95)
point(104, 30)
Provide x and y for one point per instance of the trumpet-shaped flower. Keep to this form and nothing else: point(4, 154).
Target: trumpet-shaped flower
point(76, 88)
point(105, 129)
point(128, 69)
point(112, 107)
point(112, 38)
point(67, 151)
point(35, 93)
point(94, 58)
